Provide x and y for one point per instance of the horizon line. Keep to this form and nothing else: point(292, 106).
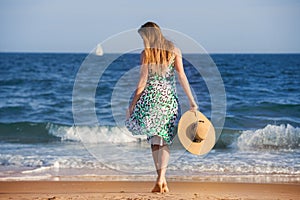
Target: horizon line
point(69, 52)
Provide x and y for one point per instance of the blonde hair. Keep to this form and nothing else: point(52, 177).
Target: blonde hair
point(158, 50)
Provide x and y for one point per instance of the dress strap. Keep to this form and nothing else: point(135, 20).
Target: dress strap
point(172, 59)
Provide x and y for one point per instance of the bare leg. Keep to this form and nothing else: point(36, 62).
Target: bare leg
point(161, 156)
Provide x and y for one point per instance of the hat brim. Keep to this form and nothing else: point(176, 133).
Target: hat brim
point(197, 148)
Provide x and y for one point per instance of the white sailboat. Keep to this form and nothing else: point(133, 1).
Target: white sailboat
point(99, 50)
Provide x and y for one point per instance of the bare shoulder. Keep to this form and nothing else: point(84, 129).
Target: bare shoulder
point(142, 56)
point(177, 52)
point(142, 53)
point(178, 61)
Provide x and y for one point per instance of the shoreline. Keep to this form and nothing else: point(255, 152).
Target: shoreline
point(253, 179)
point(141, 190)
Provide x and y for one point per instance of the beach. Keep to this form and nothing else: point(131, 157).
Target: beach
point(141, 190)
point(72, 72)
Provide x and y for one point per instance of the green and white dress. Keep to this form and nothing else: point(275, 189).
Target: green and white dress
point(156, 110)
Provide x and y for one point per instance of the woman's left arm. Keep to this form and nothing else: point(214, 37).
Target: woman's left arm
point(140, 86)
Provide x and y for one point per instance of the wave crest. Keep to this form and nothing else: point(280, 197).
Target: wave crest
point(93, 134)
point(270, 137)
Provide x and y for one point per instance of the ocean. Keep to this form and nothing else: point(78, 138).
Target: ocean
point(39, 140)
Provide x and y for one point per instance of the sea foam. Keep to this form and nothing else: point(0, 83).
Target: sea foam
point(94, 134)
point(270, 137)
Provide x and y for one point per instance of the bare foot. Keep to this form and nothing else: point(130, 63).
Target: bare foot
point(165, 187)
point(158, 188)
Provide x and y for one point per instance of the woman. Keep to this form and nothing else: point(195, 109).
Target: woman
point(154, 108)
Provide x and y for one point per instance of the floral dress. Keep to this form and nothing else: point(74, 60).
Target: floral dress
point(156, 110)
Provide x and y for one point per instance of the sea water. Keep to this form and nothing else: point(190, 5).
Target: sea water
point(39, 140)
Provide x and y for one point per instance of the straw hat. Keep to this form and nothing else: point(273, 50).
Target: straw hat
point(196, 133)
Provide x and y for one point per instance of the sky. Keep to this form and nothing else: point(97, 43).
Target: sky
point(220, 26)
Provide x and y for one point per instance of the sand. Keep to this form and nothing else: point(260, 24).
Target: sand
point(134, 190)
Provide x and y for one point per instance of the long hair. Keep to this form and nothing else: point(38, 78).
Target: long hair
point(158, 50)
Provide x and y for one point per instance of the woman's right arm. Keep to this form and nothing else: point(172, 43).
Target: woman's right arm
point(183, 79)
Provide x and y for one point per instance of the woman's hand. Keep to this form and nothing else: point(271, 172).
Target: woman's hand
point(193, 106)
